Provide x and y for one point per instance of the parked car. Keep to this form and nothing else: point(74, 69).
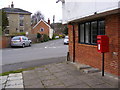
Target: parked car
point(66, 40)
point(20, 41)
point(57, 37)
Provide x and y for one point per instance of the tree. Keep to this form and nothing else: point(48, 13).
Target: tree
point(65, 30)
point(4, 20)
point(37, 17)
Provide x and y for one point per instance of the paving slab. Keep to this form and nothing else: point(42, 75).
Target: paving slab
point(32, 82)
point(51, 82)
point(82, 85)
point(15, 75)
point(71, 82)
point(44, 73)
point(57, 86)
point(15, 86)
point(29, 75)
point(14, 82)
point(3, 79)
point(61, 74)
point(2, 86)
point(66, 77)
point(55, 69)
point(94, 81)
point(35, 86)
point(105, 85)
point(14, 78)
point(45, 78)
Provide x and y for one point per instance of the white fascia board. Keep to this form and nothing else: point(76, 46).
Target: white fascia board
point(41, 21)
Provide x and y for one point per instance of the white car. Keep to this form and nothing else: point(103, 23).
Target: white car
point(20, 41)
point(57, 37)
point(66, 40)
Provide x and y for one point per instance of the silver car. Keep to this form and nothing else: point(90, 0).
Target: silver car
point(66, 40)
point(20, 41)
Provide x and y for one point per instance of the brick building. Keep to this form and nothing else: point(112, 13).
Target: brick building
point(19, 20)
point(43, 27)
point(85, 21)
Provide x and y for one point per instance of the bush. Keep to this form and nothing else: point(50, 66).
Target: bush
point(45, 37)
point(38, 35)
point(18, 34)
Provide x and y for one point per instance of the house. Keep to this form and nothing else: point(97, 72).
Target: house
point(43, 27)
point(19, 20)
point(85, 21)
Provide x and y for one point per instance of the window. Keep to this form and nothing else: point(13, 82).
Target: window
point(41, 29)
point(101, 27)
point(21, 20)
point(21, 30)
point(88, 31)
point(82, 33)
point(93, 32)
point(21, 16)
point(6, 31)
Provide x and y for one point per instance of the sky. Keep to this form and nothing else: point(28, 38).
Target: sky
point(47, 7)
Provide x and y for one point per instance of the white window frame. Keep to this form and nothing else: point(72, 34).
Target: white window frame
point(41, 29)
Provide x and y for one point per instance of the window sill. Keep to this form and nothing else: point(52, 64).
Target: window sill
point(86, 45)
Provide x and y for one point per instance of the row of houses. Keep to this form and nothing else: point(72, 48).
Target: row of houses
point(86, 19)
point(19, 21)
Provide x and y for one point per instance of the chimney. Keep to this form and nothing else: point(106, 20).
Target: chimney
point(12, 5)
point(48, 21)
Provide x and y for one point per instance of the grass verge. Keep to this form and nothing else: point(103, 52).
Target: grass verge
point(17, 71)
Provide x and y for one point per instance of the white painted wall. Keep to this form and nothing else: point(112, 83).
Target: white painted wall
point(75, 9)
point(50, 33)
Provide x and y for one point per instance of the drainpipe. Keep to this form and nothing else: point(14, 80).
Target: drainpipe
point(73, 43)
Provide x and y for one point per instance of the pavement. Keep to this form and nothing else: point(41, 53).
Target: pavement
point(58, 75)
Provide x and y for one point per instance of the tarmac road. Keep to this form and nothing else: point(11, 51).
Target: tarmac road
point(37, 54)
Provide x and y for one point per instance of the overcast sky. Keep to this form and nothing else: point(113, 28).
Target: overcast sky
point(47, 7)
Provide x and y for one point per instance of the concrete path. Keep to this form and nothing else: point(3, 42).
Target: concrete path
point(58, 75)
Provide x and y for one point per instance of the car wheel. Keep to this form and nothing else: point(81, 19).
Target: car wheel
point(23, 45)
point(29, 44)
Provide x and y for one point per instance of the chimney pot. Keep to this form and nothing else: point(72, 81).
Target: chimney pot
point(48, 21)
point(12, 5)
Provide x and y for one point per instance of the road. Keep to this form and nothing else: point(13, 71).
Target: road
point(37, 54)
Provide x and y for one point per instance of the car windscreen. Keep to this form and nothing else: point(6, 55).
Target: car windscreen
point(16, 38)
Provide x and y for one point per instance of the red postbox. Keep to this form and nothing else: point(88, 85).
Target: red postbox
point(102, 43)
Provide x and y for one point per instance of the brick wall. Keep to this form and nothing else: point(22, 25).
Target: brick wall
point(4, 42)
point(41, 25)
point(87, 54)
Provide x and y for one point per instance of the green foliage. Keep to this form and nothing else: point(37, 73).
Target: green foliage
point(45, 37)
point(54, 35)
point(38, 35)
point(65, 30)
point(18, 34)
point(61, 36)
point(5, 22)
point(17, 71)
